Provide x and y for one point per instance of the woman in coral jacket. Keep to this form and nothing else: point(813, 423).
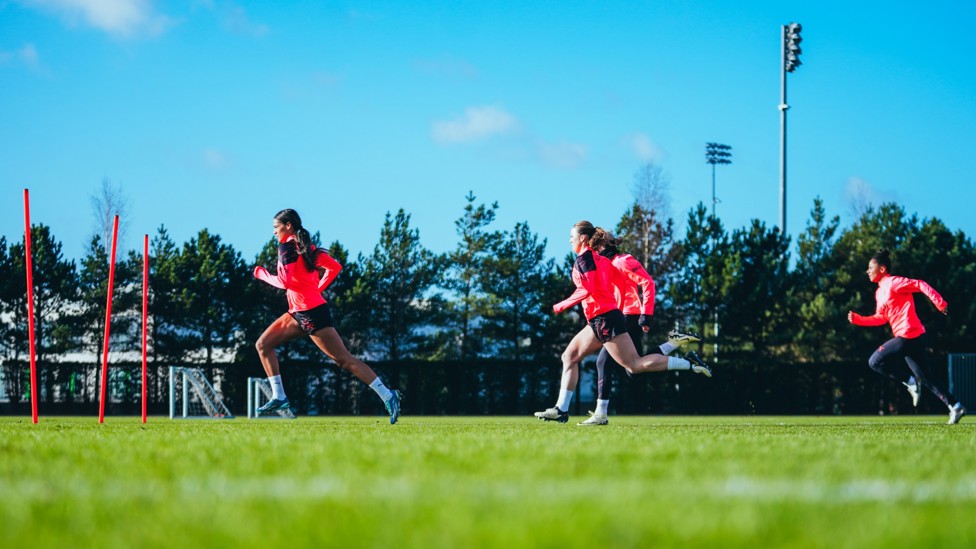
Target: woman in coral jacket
point(635, 299)
point(596, 280)
point(896, 307)
point(304, 272)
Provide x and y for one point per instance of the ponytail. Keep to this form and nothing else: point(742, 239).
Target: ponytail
point(303, 240)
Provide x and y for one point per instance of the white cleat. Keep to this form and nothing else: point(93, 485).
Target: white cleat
point(678, 338)
point(595, 419)
point(914, 389)
point(553, 414)
point(697, 364)
point(956, 413)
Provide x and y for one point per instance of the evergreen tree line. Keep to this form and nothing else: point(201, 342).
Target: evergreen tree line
point(773, 314)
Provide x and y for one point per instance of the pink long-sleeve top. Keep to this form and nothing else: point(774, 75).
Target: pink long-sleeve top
point(636, 295)
point(896, 306)
point(303, 287)
point(596, 279)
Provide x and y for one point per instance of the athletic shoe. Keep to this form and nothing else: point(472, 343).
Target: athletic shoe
point(274, 405)
point(697, 364)
point(678, 339)
point(393, 406)
point(914, 390)
point(596, 419)
point(956, 413)
point(553, 414)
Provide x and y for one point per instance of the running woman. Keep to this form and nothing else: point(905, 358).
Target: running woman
point(595, 279)
point(635, 299)
point(304, 272)
point(896, 307)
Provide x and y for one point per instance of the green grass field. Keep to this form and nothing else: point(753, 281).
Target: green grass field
point(488, 482)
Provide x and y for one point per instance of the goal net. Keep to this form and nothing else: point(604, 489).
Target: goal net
point(192, 396)
point(259, 392)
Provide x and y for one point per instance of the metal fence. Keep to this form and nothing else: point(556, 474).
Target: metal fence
point(962, 378)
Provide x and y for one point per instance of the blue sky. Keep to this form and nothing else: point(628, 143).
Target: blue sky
point(218, 114)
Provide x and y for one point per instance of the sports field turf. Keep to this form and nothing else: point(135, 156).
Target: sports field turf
point(488, 482)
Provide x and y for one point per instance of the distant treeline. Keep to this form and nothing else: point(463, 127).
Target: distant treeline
point(765, 304)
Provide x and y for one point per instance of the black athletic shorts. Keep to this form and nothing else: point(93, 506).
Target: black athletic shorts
point(314, 319)
point(608, 325)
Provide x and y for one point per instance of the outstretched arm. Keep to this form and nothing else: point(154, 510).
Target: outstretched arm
point(900, 284)
point(263, 275)
point(579, 295)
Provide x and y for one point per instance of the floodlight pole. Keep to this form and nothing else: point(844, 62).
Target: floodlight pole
point(789, 59)
point(783, 106)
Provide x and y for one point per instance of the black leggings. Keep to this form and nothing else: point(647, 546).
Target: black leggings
point(889, 355)
point(604, 383)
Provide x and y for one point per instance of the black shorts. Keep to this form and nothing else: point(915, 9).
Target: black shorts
point(608, 325)
point(314, 319)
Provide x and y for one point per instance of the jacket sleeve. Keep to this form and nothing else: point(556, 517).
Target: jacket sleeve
point(578, 295)
point(636, 272)
point(901, 284)
point(331, 266)
point(877, 319)
point(263, 275)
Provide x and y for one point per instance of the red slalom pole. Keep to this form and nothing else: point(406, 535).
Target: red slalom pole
point(30, 305)
point(145, 316)
point(108, 319)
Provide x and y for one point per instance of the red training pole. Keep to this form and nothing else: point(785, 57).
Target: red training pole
point(108, 319)
point(30, 305)
point(145, 316)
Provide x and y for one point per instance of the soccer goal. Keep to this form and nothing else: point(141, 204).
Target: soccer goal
point(191, 396)
point(259, 392)
point(962, 378)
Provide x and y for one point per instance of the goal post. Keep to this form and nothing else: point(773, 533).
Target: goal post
point(259, 392)
point(191, 396)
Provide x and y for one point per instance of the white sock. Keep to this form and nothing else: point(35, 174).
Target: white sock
point(381, 390)
point(667, 347)
point(602, 406)
point(675, 363)
point(277, 388)
point(565, 395)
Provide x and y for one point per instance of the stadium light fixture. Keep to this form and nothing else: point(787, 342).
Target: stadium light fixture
point(716, 153)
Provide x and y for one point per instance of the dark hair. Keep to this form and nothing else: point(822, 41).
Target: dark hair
point(883, 258)
point(584, 228)
point(303, 240)
point(605, 242)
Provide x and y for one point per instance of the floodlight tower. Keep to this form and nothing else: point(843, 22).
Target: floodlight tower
point(716, 153)
point(790, 54)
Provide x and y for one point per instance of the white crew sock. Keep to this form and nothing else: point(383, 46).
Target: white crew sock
point(602, 406)
point(381, 390)
point(675, 363)
point(565, 395)
point(277, 388)
point(667, 347)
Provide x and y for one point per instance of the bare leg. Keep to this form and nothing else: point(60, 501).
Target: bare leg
point(582, 345)
point(623, 351)
point(282, 330)
point(331, 344)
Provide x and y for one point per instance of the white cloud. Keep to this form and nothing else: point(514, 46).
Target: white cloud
point(644, 148)
point(476, 123)
point(26, 55)
point(861, 195)
point(214, 160)
point(562, 155)
point(234, 18)
point(448, 66)
point(121, 18)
